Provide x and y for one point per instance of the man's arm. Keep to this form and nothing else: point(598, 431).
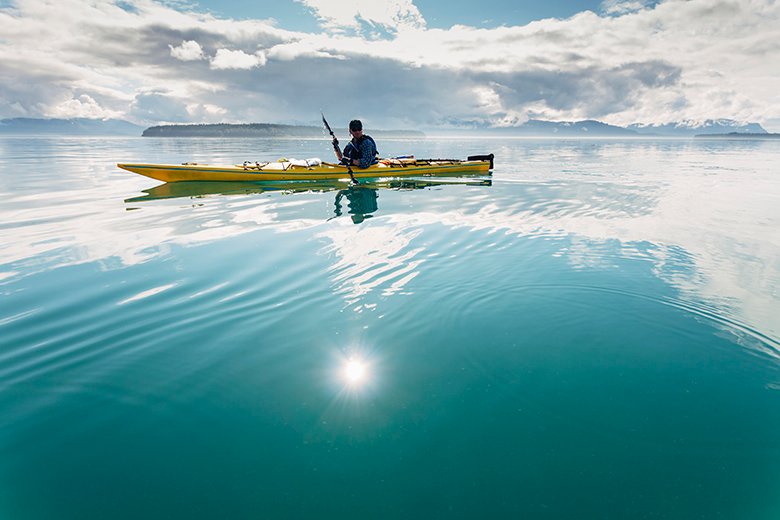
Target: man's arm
point(336, 148)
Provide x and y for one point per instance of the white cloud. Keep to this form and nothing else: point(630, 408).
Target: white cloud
point(82, 106)
point(207, 113)
point(693, 59)
point(227, 59)
point(620, 7)
point(308, 48)
point(388, 14)
point(189, 50)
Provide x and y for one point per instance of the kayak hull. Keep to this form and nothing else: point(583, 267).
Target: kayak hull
point(323, 171)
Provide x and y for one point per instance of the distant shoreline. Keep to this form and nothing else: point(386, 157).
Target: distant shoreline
point(531, 129)
point(259, 130)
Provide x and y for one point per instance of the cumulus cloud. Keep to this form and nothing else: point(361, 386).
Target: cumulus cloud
point(206, 113)
point(228, 59)
point(82, 106)
point(663, 61)
point(620, 7)
point(388, 14)
point(297, 49)
point(189, 50)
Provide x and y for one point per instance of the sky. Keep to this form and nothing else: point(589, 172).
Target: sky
point(393, 63)
point(439, 14)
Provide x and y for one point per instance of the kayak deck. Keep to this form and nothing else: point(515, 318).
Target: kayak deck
point(294, 171)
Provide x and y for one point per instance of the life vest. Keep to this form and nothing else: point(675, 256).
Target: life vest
point(352, 150)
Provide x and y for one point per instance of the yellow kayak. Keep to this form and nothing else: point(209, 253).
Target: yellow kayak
point(309, 170)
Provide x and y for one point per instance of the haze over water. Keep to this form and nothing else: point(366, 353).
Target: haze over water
point(592, 334)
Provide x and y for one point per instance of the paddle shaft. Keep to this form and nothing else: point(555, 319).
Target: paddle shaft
point(349, 166)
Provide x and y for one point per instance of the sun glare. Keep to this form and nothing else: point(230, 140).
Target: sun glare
point(355, 371)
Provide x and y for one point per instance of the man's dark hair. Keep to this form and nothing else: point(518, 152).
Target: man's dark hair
point(355, 125)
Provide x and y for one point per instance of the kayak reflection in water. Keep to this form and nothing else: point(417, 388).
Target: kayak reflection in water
point(361, 202)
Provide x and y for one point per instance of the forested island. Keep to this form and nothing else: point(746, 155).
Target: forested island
point(259, 130)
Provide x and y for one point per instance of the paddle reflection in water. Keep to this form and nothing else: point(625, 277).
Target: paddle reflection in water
point(361, 201)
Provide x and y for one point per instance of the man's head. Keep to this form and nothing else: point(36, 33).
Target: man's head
point(356, 128)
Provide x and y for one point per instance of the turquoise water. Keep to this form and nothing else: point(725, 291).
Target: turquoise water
point(592, 333)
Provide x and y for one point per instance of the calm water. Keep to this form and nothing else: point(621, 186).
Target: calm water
point(593, 333)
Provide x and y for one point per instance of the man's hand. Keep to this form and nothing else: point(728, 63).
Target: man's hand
point(335, 142)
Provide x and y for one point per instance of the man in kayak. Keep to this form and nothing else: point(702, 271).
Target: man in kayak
point(360, 151)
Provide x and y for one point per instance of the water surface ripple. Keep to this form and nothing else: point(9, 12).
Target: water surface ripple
point(592, 332)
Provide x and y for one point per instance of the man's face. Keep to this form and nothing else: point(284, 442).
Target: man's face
point(356, 133)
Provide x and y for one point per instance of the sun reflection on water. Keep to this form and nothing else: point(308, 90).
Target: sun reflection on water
point(355, 372)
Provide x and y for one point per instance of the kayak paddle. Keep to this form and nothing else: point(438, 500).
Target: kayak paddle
point(336, 147)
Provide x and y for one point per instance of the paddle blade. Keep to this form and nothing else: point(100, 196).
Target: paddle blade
point(326, 124)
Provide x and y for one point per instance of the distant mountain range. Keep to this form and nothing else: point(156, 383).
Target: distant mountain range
point(537, 127)
point(78, 126)
point(532, 128)
point(691, 128)
point(591, 128)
